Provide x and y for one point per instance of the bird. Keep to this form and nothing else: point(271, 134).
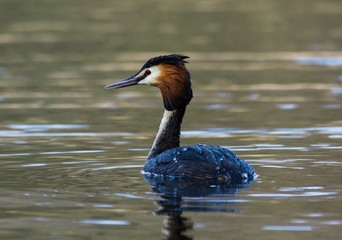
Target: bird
point(167, 158)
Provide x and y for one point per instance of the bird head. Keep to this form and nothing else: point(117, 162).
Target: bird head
point(169, 74)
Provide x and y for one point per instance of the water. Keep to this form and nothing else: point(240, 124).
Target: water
point(267, 81)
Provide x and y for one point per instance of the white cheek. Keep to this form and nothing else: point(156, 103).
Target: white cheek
point(152, 78)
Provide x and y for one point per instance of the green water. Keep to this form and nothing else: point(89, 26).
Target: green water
point(267, 81)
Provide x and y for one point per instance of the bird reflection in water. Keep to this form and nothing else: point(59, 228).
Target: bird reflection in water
point(177, 197)
point(176, 226)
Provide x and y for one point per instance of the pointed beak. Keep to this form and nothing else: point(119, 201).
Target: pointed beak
point(133, 80)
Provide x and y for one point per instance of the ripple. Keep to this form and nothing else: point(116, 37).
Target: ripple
point(46, 127)
point(103, 206)
point(325, 146)
point(328, 162)
point(83, 162)
point(332, 106)
point(52, 153)
point(287, 106)
point(296, 132)
point(287, 195)
point(321, 130)
point(284, 148)
point(332, 222)
point(323, 61)
point(138, 149)
point(219, 200)
point(105, 222)
point(204, 133)
point(299, 221)
point(268, 145)
point(120, 142)
point(283, 160)
point(336, 90)
point(128, 195)
point(314, 215)
point(217, 106)
point(68, 134)
point(72, 152)
point(14, 154)
point(35, 165)
point(332, 147)
point(275, 166)
point(287, 228)
point(253, 148)
point(115, 167)
point(335, 136)
point(287, 189)
point(292, 137)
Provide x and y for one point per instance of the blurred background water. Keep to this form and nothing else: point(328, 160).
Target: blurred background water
point(267, 81)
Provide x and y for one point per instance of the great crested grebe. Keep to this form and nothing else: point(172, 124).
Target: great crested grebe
point(166, 157)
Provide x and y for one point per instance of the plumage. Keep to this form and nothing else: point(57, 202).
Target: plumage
point(166, 158)
point(172, 59)
point(200, 162)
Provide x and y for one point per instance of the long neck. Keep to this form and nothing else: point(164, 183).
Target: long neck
point(168, 135)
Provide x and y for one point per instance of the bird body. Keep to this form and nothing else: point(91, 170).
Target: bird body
point(166, 157)
point(200, 162)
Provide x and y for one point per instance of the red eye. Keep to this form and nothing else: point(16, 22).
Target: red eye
point(147, 72)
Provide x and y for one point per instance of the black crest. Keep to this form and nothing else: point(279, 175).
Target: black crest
point(172, 59)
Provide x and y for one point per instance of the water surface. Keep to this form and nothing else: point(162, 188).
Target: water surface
point(267, 81)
